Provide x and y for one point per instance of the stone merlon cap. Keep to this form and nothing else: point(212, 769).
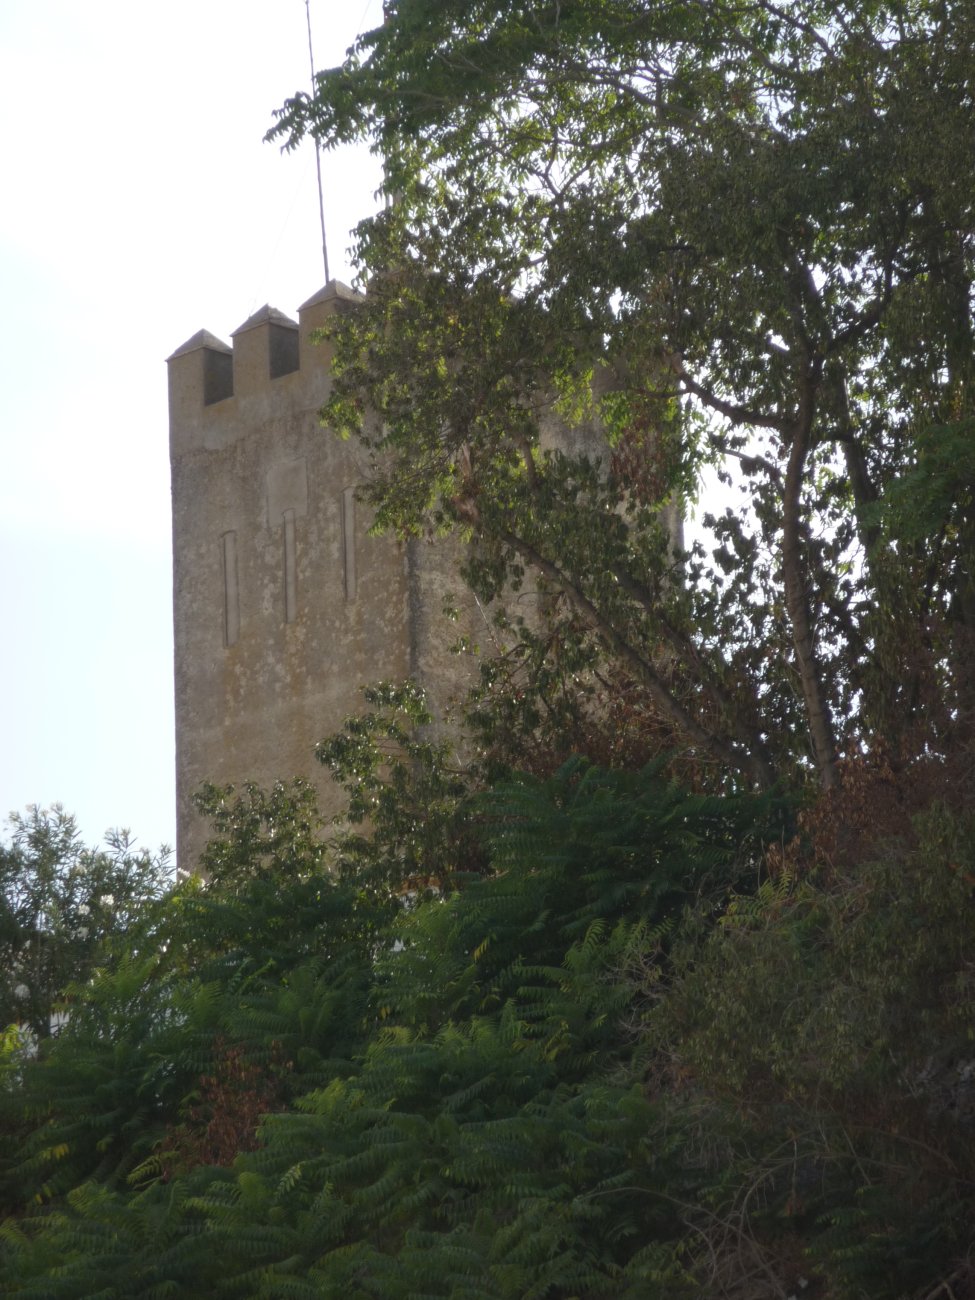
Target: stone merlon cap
point(335, 289)
point(265, 315)
point(201, 339)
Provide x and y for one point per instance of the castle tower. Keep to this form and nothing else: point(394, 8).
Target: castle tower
point(284, 607)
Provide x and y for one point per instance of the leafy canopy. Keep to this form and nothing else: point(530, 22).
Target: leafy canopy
point(735, 235)
point(61, 905)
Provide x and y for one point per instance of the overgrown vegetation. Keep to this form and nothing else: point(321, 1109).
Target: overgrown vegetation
point(645, 1042)
point(61, 903)
point(668, 988)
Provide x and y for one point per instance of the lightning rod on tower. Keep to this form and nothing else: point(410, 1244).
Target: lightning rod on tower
point(318, 151)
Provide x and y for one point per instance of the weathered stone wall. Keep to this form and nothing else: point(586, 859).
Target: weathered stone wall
point(284, 607)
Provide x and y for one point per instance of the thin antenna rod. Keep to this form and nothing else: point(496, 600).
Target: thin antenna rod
point(318, 151)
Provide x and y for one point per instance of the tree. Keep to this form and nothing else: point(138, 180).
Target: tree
point(60, 905)
point(733, 234)
point(452, 1112)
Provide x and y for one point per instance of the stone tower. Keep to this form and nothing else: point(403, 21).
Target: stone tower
point(284, 607)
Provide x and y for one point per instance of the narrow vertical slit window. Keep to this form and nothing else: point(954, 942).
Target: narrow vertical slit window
point(348, 541)
point(290, 569)
point(231, 596)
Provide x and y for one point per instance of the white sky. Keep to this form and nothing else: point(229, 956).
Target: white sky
point(139, 204)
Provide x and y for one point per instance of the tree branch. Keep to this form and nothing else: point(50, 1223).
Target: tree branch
point(714, 691)
point(741, 760)
point(730, 410)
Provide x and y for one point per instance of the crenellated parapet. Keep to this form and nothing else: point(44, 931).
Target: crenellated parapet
point(212, 384)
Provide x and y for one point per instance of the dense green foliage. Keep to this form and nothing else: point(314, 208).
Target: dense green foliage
point(619, 1059)
point(424, 1052)
point(736, 234)
point(60, 904)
